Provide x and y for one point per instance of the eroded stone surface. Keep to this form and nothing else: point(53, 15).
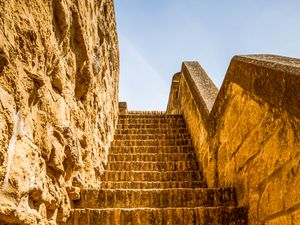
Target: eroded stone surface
point(250, 139)
point(59, 68)
point(158, 184)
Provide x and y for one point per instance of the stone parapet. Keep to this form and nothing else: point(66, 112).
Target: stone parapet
point(248, 134)
point(122, 107)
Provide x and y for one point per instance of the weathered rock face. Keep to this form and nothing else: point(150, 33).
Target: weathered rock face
point(59, 68)
point(248, 134)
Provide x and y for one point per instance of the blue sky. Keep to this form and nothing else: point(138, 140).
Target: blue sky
point(156, 36)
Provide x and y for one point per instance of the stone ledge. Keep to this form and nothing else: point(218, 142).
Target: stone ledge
point(123, 108)
point(173, 105)
point(270, 78)
point(274, 79)
point(202, 88)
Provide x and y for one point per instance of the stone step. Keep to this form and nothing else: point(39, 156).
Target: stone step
point(112, 175)
point(151, 157)
point(153, 131)
point(160, 216)
point(153, 136)
point(155, 198)
point(150, 126)
point(154, 142)
point(149, 115)
point(152, 184)
point(146, 113)
point(152, 149)
point(153, 166)
point(162, 120)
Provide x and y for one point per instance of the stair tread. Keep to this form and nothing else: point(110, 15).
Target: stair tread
point(152, 130)
point(231, 189)
point(154, 154)
point(154, 208)
point(153, 165)
point(160, 198)
point(161, 216)
point(151, 184)
point(154, 125)
point(142, 171)
point(151, 149)
point(145, 142)
point(150, 136)
point(153, 146)
point(151, 157)
point(152, 177)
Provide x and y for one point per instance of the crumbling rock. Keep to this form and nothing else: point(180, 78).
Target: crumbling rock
point(51, 53)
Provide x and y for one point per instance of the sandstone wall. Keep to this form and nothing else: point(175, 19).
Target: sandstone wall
point(59, 72)
point(250, 138)
point(192, 94)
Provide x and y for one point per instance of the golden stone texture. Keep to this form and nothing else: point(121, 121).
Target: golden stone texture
point(152, 177)
point(59, 69)
point(250, 137)
point(59, 73)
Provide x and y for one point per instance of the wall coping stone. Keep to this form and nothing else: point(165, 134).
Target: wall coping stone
point(274, 79)
point(172, 106)
point(123, 107)
point(201, 86)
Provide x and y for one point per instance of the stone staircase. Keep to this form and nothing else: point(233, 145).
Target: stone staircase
point(152, 177)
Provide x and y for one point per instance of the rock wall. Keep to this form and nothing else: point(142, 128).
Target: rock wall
point(250, 137)
point(59, 72)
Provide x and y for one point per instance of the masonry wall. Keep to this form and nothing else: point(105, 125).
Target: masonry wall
point(59, 72)
point(250, 137)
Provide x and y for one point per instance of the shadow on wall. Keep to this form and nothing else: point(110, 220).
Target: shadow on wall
point(247, 135)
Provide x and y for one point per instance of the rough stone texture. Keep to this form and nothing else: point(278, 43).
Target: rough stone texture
point(161, 184)
point(173, 104)
point(194, 98)
point(122, 107)
point(59, 68)
point(252, 135)
point(160, 216)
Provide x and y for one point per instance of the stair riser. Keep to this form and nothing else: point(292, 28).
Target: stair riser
point(116, 198)
point(151, 126)
point(153, 131)
point(144, 113)
point(149, 116)
point(151, 120)
point(151, 157)
point(151, 149)
point(169, 216)
point(162, 142)
point(151, 136)
point(153, 166)
point(150, 176)
point(151, 185)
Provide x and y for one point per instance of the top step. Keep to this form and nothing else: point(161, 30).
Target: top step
point(148, 114)
point(133, 112)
